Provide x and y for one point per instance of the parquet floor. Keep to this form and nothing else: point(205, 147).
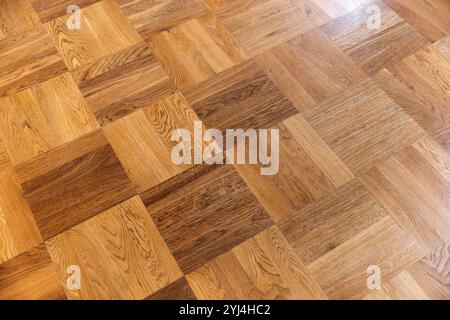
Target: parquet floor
point(87, 180)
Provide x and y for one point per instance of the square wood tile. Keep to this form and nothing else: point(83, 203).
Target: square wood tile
point(17, 226)
point(103, 30)
point(73, 182)
point(196, 50)
point(420, 85)
point(26, 59)
point(432, 273)
point(429, 17)
point(150, 16)
point(118, 84)
point(384, 245)
point(414, 187)
point(363, 126)
point(263, 267)
point(242, 97)
point(310, 68)
point(30, 276)
point(309, 170)
point(48, 10)
point(143, 140)
point(17, 16)
point(443, 137)
point(374, 48)
point(43, 117)
point(207, 216)
point(326, 224)
point(261, 25)
point(119, 252)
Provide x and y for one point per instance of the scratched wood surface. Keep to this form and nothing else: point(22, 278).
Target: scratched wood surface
point(87, 176)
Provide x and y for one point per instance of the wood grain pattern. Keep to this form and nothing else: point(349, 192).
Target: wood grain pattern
point(149, 17)
point(120, 253)
point(48, 10)
point(420, 85)
point(443, 45)
point(383, 244)
point(142, 141)
point(121, 83)
point(429, 17)
point(242, 97)
point(414, 188)
point(432, 273)
point(87, 177)
point(178, 290)
point(326, 224)
point(363, 126)
point(426, 279)
point(310, 68)
point(263, 267)
point(208, 217)
point(17, 16)
point(26, 59)
point(374, 48)
point(67, 194)
point(402, 287)
point(309, 171)
point(30, 276)
point(104, 30)
point(196, 50)
point(260, 25)
point(43, 117)
point(19, 230)
point(442, 136)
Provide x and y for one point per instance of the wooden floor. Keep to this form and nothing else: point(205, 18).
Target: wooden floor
point(86, 177)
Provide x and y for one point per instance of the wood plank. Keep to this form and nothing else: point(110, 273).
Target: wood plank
point(142, 141)
point(178, 290)
point(26, 59)
point(263, 267)
point(443, 45)
point(374, 48)
point(261, 25)
point(19, 230)
point(17, 16)
point(308, 171)
point(121, 83)
point(384, 244)
point(414, 188)
point(433, 271)
point(207, 217)
point(429, 17)
point(310, 68)
point(48, 10)
point(196, 50)
point(43, 117)
point(328, 223)
point(104, 30)
point(420, 85)
point(241, 97)
point(70, 193)
point(363, 126)
point(401, 287)
point(119, 252)
point(30, 276)
point(149, 17)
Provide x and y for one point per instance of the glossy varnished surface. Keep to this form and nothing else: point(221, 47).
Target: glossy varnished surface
point(87, 179)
